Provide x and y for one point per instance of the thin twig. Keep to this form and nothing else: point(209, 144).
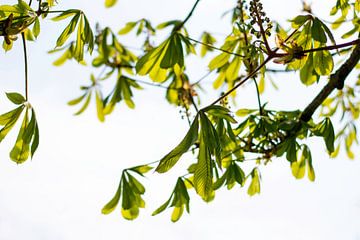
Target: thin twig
point(252, 74)
point(216, 48)
point(26, 65)
point(188, 16)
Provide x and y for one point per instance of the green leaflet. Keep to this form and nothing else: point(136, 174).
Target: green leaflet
point(209, 40)
point(325, 129)
point(304, 163)
point(323, 62)
point(110, 3)
point(111, 205)
point(317, 31)
point(84, 35)
point(99, 106)
point(254, 187)
point(232, 175)
point(179, 199)
point(36, 28)
point(129, 192)
point(307, 74)
point(15, 98)
point(8, 120)
point(21, 150)
point(167, 162)
point(27, 140)
point(203, 174)
point(70, 28)
point(9, 116)
point(141, 169)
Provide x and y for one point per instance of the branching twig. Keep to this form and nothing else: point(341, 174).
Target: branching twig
point(336, 82)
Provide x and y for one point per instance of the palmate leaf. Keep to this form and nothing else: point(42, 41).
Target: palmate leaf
point(179, 199)
point(165, 56)
point(84, 33)
point(167, 162)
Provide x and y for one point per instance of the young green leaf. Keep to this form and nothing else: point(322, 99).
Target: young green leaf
point(254, 187)
point(16, 98)
point(323, 62)
point(21, 151)
point(203, 173)
point(111, 205)
point(110, 3)
point(167, 162)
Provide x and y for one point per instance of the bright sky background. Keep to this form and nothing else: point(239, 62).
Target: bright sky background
point(59, 194)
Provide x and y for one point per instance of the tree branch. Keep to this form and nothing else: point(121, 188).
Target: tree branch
point(188, 16)
point(337, 80)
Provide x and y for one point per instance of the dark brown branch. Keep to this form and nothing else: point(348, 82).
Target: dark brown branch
point(336, 81)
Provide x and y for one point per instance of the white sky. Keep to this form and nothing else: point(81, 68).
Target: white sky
point(59, 194)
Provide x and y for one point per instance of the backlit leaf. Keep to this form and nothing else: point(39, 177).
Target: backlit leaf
point(172, 157)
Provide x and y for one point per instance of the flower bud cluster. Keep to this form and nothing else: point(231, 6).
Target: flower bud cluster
point(258, 16)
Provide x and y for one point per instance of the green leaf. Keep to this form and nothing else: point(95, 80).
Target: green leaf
point(79, 45)
point(36, 28)
point(177, 212)
point(150, 63)
point(244, 112)
point(130, 214)
point(77, 100)
point(16, 98)
point(65, 15)
point(167, 162)
point(99, 106)
point(35, 142)
point(110, 3)
point(162, 207)
point(298, 21)
point(86, 104)
point(111, 205)
point(9, 119)
point(254, 187)
point(307, 74)
point(128, 27)
point(70, 28)
point(220, 112)
point(203, 173)
point(329, 136)
point(9, 116)
point(174, 53)
point(323, 62)
point(21, 151)
point(298, 167)
point(142, 169)
point(219, 61)
point(317, 31)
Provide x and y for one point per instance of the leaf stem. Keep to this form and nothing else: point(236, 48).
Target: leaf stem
point(216, 48)
point(26, 65)
point(258, 96)
point(252, 74)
